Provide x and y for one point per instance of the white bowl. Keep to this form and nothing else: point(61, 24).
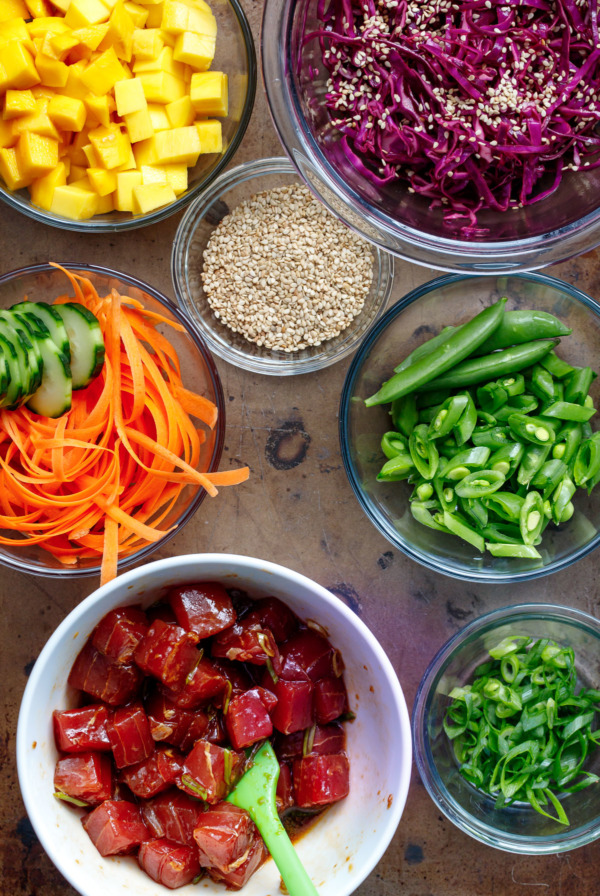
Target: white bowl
point(345, 844)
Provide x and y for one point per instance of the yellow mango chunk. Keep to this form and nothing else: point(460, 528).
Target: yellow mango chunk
point(18, 102)
point(196, 50)
point(90, 155)
point(210, 133)
point(103, 181)
point(71, 201)
point(16, 29)
point(147, 197)
point(36, 155)
point(162, 87)
point(10, 9)
point(83, 13)
point(139, 125)
point(105, 205)
point(153, 174)
point(147, 43)
point(138, 14)
point(75, 86)
point(175, 17)
point(120, 31)
point(112, 146)
point(10, 171)
point(38, 8)
point(91, 37)
point(102, 74)
point(180, 113)
point(208, 93)
point(177, 177)
point(7, 136)
point(42, 189)
point(67, 113)
point(126, 181)
point(18, 64)
point(76, 149)
point(177, 146)
point(164, 62)
point(38, 123)
point(99, 108)
point(158, 116)
point(60, 44)
point(129, 96)
point(53, 72)
point(76, 173)
point(155, 13)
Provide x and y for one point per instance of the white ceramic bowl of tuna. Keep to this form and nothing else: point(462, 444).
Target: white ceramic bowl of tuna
point(342, 847)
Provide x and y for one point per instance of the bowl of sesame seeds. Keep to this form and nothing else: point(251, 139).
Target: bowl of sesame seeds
point(459, 134)
point(276, 283)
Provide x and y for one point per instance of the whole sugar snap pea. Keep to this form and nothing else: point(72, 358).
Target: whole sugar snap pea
point(523, 326)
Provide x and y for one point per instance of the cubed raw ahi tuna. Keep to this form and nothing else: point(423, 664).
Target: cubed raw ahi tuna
point(130, 735)
point(204, 608)
point(330, 699)
point(115, 827)
point(173, 815)
point(204, 682)
point(170, 864)
point(247, 642)
point(119, 632)
point(321, 779)
point(80, 730)
point(294, 708)
point(307, 654)
point(209, 771)
point(102, 679)
point(85, 776)
point(167, 652)
point(224, 835)
point(247, 719)
point(273, 614)
point(155, 774)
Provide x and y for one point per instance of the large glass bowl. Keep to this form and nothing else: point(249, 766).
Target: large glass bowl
point(235, 54)
point(453, 299)
point(517, 828)
point(43, 283)
point(193, 234)
point(558, 227)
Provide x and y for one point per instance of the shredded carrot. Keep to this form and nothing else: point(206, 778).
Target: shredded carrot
point(104, 480)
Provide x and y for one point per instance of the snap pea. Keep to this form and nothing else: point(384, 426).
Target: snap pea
point(541, 383)
point(464, 462)
point(549, 475)
point(521, 326)
point(396, 469)
point(513, 385)
point(480, 370)
point(480, 483)
point(392, 444)
point(577, 386)
point(532, 429)
point(532, 460)
point(556, 366)
point(491, 436)
point(476, 510)
point(458, 346)
point(532, 518)
point(461, 528)
point(463, 430)
point(491, 397)
point(526, 551)
point(447, 416)
point(561, 499)
point(507, 458)
point(523, 404)
point(423, 452)
point(431, 399)
point(445, 494)
point(572, 434)
point(425, 349)
point(424, 516)
point(506, 505)
point(404, 414)
point(587, 460)
point(502, 533)
point(566, 410)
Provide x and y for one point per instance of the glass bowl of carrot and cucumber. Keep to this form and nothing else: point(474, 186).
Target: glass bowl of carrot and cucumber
point(468, 426)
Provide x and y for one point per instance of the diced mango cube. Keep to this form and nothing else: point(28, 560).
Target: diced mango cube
point(145, 153)
point(102, 74)
point(41, 26)
point(38, 8)
point(36, 155)
point(155, 13)
point(208, 92)
point(7, 135)
point(164, 62)
point(76, 151)
point(196, 50)
point(147, 197)
point(147, 43)
point(16, 29)
point(71, 201)
point(126, 181)
point(139, 125)
point(175, 17)
point(211, 135)
point(153, 174)
point(162, 87)
point(10, 9)
point(76, 173)
point(91, 37)
point(120, 32)
point(138, 13)
point(158, 116)
point(83, 13)
point(99, 108)
point(177, 176)
point(18, 102)
point(129, 96)
point(75, 86)
point(63, 5)
point(42, 189)
point(67, 113)
point(37, 123)
point(111, 144)
point(53, 72)
point(177, 146)
point(90, 155)
point(58, 45)
point(18, 64)
point(180, 113)
point(103, 181)
point(10, 170)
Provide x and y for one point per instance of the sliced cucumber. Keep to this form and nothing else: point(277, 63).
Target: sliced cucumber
point(14, 391)
point(53, 397)
point(87, 342)
point(4, 372)
point(28, 373)
point(49, 316)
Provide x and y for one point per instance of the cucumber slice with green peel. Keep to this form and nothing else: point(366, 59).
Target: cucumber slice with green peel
point(31, 333)
point(53, 397)
point(4, 374)
point(49, 316)
point(14, 391)
point(87, 342)
point(27, 371)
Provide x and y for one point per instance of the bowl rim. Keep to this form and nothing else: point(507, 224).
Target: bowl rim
point(237, 563)
point(288, 364)
point(414, 245)
point(29, 567)
point(20, 204)
point(425, 763)
point(445, 566)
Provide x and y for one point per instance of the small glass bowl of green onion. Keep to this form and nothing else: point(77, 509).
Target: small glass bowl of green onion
point(506, 729)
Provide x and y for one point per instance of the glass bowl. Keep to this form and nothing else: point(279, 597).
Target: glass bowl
point(518, 828)
point(361, 826)
point(453, 299)
point(236, 55)
point(44, 283)
point(564, 224)
point(191, 239)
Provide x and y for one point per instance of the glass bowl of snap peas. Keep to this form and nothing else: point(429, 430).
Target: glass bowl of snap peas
point(469, 430)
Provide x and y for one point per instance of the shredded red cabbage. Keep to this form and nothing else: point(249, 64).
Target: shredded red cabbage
point(477, 104)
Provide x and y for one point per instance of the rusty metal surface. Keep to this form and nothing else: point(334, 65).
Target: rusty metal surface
point(297, 510)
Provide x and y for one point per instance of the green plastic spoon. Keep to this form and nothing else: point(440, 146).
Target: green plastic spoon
point(255, 792)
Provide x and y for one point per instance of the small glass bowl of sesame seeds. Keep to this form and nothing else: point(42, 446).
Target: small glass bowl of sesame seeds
point(275, 282)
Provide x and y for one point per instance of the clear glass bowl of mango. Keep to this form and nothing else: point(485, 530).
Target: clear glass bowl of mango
point(116, 112)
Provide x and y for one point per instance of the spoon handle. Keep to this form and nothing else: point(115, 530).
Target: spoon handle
point(292, 871)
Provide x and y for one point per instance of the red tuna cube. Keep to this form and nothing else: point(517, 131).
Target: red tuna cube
point(102, 679)
point(238, 876)
point(224, 834)
point(307, 654)
point(153, 775)
point(173, 815)
point(319, 739)
point(210, 771)
point(119, 632)
point(203, 683)
point(247, 719)
point(169, 863)
point(130, 735)
point(204, 608)
point(80, 730)
point(85, 776)
point(115, 827)
point(273, 614)
point(167, 652)
point(247, 642)
point(294, 709)
point(320, 780)
point(330, 699)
